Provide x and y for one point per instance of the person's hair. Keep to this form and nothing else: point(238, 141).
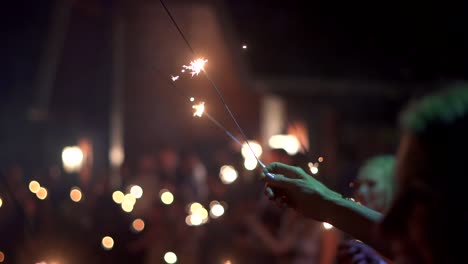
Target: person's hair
point(433, 170)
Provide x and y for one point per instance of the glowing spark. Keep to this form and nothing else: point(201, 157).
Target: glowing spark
point(182, 70)
point(196, 66)
point(327, 226)
point(192, 99)
point(174, 78)
point(199, 109)
point(244, 46)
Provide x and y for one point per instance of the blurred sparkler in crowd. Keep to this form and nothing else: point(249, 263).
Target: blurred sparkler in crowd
point(196, 66)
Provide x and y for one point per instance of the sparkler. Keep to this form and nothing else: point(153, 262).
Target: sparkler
point(201, 111)
point(197, 66)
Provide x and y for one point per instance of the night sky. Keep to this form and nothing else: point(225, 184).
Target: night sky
point(384, 40)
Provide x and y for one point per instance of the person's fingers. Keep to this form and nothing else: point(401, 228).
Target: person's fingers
point(269, 192)
point(280, 182)
point(284, 169)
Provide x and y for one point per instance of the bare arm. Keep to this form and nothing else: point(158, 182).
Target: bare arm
point(297, 189)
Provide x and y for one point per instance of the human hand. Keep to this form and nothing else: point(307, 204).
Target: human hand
point(355, 252)
point(292, 186)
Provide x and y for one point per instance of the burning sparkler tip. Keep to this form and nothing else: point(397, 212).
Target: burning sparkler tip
point(174, 78)
point(199, 109)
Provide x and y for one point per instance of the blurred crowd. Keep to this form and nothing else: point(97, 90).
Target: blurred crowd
point(59, 227)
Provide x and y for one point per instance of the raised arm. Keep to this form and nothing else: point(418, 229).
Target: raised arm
point(297, 189)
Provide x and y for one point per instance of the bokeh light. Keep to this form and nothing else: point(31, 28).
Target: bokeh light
point(129, 199)
point(170, 257)
point(166, 196)
point(42, 193)
point(320, 159)
point(227, 174)
point(327, 226)
point(75, 194)
point(250, 163)
point(313, 167)
point(72, 158)
point(289, 143)
point(107, 242)
point(138, 225)
point(1, 202)
point(136, 191)
point(118, 197)
point(2, 256)
point(216, 210)
point(195, 207)
point(34, 186)
point(247, 152)
point(127, 207)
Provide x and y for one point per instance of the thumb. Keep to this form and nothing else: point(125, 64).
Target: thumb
point(279, 181)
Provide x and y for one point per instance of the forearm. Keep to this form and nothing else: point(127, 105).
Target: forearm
point(356, 220)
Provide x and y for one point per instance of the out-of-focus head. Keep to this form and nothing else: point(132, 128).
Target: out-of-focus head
point(431, 205)
point(375, 182)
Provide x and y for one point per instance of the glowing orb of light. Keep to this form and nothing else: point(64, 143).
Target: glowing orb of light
point(2, 256)
point(216, 211)
point(254, 146)
point(313, 168)
point(244, 46)
point(42, 193)
point(320, 159)
point(138, 225)
point(289, 143)
point(72, 158)
point(250, 163)
point(1, 202)
point(75, 194)
point(127, 207)
point(136, 191)
point(107, 242)
point(34, 186)
point(118, 197)
point(327, 226)
point(227, 174)
point(166, 196)
point(170, 257)
point(194, 207)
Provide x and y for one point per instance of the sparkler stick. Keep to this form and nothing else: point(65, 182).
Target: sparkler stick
point(200, 111)
point(212, 82)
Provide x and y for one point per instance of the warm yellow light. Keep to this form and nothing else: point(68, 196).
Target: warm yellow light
point(227, 174)
point(127, 207)
point(250, 163)
point(227, 262)
point(192, 99)
point(247, 151)
point(2, 256)
point(313, 167)
point(136, 191)
point(1, 202)
point(138, 225)
point(196, 219)
point(170, 257)
point(196, 66)
point(118, 197)
point(327, 226)
point(34, 186)
point(216, 211)
point(199, 109)
point(166, 197)
point(129, 199)
point(75, 194)
point(72, 158)
point(194, 207)
point(107, 242)
point(289, 143)
point(42, 193)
